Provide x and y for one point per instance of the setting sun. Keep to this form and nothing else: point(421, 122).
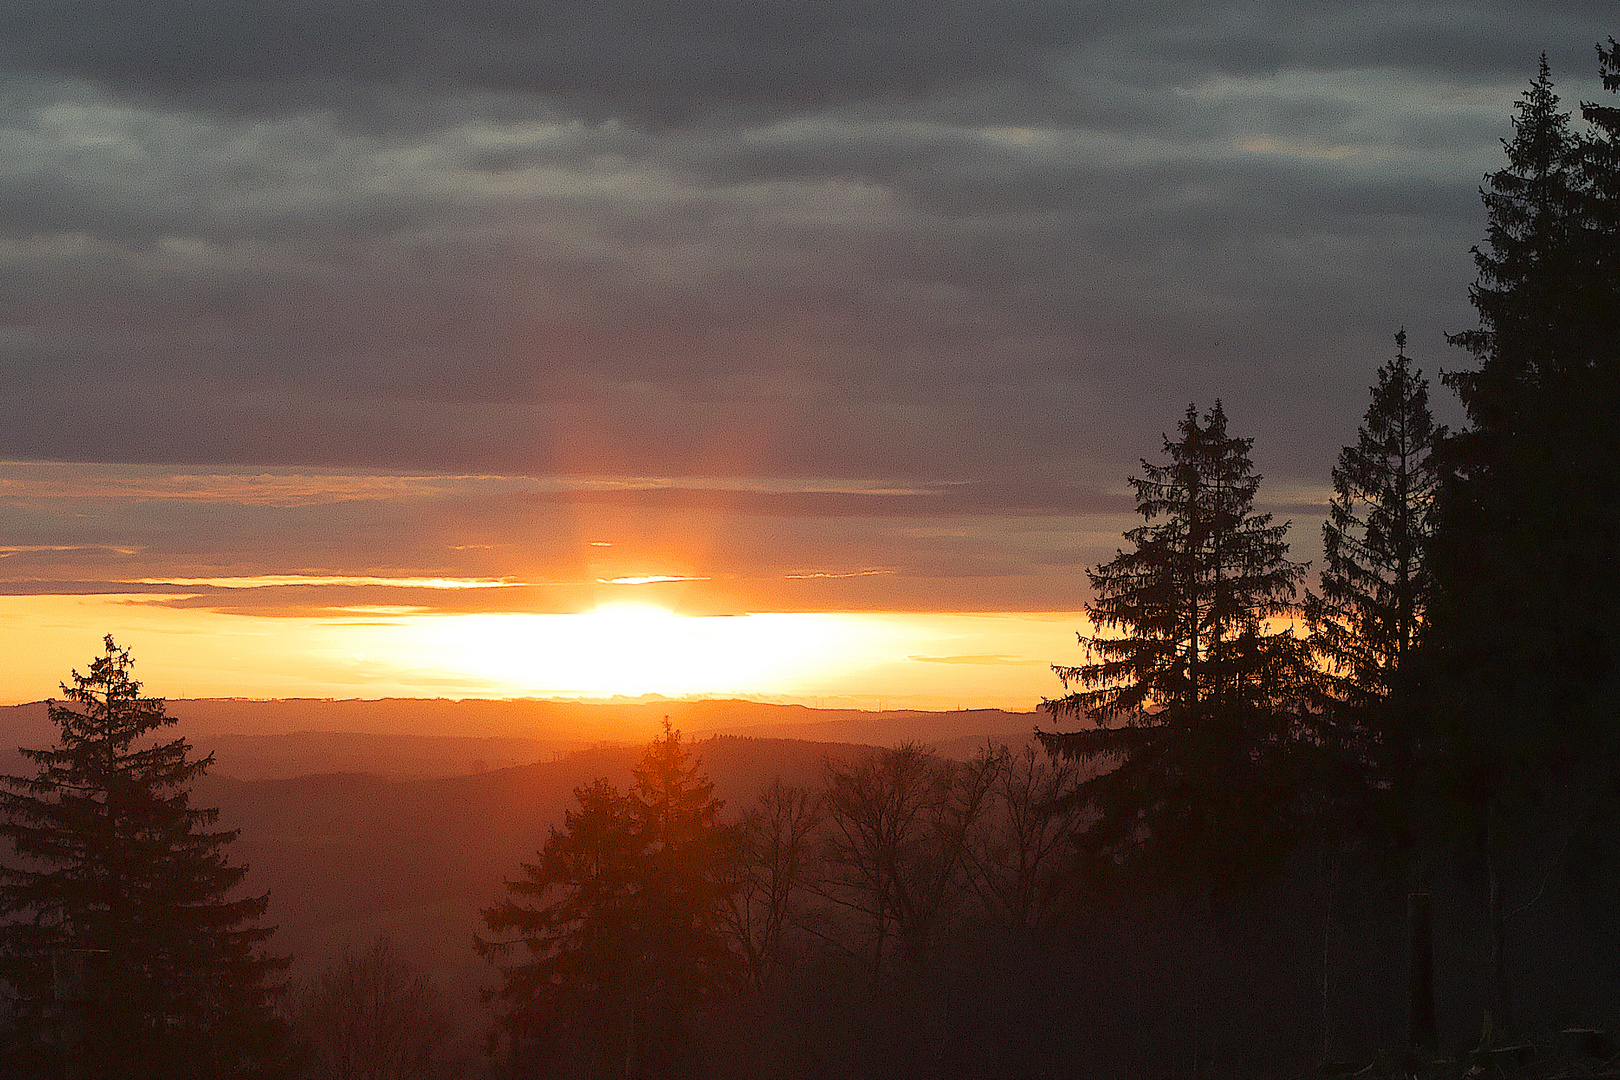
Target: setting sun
point(634, 648)
point(859, 659)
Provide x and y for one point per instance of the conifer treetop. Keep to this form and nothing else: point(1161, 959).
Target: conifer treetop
point(1368, 619)
point(1206, 574)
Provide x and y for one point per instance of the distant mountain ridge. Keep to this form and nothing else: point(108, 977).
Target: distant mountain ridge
point(428, 737)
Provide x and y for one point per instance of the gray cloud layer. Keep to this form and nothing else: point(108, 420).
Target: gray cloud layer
point(917, 242)
point(674, 61)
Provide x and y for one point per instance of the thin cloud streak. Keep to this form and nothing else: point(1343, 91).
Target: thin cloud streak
point(273, 580)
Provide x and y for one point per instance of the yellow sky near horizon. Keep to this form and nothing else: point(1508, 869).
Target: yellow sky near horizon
point(923, 660)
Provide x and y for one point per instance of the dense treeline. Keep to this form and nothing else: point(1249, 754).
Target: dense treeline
point(1273, 825)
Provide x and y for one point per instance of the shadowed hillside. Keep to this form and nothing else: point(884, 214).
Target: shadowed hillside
point(406, 816)
point(345, 855)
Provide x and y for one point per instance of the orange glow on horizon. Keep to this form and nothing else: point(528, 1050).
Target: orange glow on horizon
point(852, 659)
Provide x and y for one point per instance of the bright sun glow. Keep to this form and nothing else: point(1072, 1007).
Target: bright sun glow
point(632, 648)
point(848, 659)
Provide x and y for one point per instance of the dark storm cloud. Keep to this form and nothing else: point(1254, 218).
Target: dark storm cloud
point(657, 62)
point(709, 50)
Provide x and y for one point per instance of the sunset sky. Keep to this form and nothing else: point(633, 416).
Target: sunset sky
point(794, 350)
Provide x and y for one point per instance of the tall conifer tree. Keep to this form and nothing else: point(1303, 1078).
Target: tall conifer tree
point(120, 898)
point(1185, 660)
point(1368, 621)
point(1600, 177)
point(1528, 587)
point(685, 881)
point(1366, 628)
point(620, 920)
point(1528, 292)
point(1526, 611)
point(565, 939)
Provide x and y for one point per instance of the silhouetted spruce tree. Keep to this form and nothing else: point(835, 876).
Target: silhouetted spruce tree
point(1196, 777)
point(1600, 182)
point(1526, 610)
point(686, 883)
point(1597, 436)
point(1529, 293)
point(566, 937)
point(1366, 627)
point(620, 922)
point(119, 899)
point(1368, 621)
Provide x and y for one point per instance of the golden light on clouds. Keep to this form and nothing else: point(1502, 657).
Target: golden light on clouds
point(262, 581)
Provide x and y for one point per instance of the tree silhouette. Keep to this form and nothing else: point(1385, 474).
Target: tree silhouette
point(1366, 628)
point(899, 828)
point(1529, 292)
point(1016, 862)
point(1524, 586)
point(1525, 632)
point(1184, 657)
point(771, 865)
point(1600, 181)
point(1367, 623)
point(621, 921)
point(126, 946)
point(1368, 620)
point(372, 1016)
point(573, 915)
point(684, 884)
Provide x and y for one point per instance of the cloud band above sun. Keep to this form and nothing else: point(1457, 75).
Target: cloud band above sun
point(287, 543)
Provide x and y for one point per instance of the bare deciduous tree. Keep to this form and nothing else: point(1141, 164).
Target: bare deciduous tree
point(1014, 861)
point(774, 850)
point(898, 831)
point(373, 1016)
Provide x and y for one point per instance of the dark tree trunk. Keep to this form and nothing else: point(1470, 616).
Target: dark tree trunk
point(1499, 1016)
point(1420, 1029)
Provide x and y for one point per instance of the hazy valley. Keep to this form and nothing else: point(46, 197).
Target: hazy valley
point(404, 817)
